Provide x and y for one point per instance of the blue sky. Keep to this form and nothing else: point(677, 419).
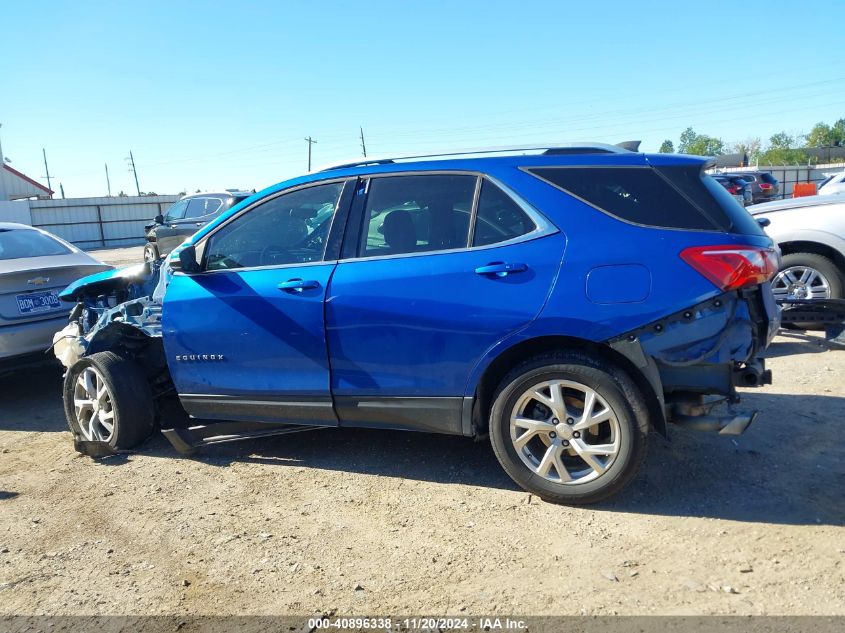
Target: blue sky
point(222, 94)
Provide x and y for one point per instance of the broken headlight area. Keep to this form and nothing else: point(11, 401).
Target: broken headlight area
point(116, 311)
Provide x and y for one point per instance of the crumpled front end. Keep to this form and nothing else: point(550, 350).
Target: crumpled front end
point(116, 310)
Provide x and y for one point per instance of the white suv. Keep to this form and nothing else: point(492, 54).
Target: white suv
point(833, 184)
point(810, 232)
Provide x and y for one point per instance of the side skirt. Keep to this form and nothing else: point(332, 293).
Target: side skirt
point(431, 415)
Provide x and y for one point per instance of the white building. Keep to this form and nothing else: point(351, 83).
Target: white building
point(16, 186)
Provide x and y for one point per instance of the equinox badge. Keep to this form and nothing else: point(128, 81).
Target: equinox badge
point(199, 357)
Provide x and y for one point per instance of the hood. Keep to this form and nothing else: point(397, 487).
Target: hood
point(106, 282)
point(795, 203)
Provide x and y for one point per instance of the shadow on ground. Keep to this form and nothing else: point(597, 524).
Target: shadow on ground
point(788, 468)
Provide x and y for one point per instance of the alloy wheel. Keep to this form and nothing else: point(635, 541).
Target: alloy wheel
point(92, 405)
point(565, 432)
point(800, 282)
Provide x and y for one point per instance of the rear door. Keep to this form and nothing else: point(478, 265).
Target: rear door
point(245, 337)
point(437, 269)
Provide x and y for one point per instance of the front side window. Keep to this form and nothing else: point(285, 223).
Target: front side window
point(499, 218)
point(414, 214)
point(177, 211)
point(290, 229)
point(198, 207)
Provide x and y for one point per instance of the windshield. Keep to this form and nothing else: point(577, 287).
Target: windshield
point(18, 243)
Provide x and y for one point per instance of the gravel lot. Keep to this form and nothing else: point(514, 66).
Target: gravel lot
point(369, 522)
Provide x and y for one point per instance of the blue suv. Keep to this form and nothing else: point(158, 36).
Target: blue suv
point(562, 300)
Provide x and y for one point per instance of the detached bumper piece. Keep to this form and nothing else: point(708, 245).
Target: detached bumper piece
point(188, 440)
point(827, 313)
point(697, 414)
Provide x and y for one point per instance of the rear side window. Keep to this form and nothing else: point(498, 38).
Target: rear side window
point(415, 214)
point(198, 207)
point(679, 197)
point(499, 218)
point(713, 200)
point(15, 243)
point(637, 195)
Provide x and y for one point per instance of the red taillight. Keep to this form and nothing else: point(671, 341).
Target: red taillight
point(732, 267)
point(733, 189)
point(764, 186)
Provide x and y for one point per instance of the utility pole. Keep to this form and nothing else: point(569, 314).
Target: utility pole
point(108, 182)
point(62, 189)
point(46, 169)
point(134, 171)
point(310, 142)
point(363, 145)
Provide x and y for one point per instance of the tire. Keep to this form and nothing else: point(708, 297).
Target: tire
point(825, 280)
point(151, 252)
point(126, 404)
point(625, 429)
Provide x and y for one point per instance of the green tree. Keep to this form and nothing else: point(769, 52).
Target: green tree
point(700, 144)
point(838, 131)
point(782, 151)
point(821, 135)
point(667, 147)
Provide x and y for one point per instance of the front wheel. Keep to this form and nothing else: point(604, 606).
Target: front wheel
point(108, 399)
point(569, 428)
point(151, 252)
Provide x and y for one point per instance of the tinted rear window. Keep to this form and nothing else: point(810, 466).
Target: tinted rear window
point(669, 197)
point(767, 177)
point(637, 195)
point(16, 243)
point(713, 200)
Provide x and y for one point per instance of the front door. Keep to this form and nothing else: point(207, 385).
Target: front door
point(182, 222)
point(245, 336)
point(435, 280)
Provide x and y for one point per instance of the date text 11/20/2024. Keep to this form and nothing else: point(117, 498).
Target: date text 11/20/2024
point(418, 624)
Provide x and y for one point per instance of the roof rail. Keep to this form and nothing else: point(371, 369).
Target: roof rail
point(543, 148)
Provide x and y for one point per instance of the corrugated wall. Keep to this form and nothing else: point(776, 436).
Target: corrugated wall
point(89, 222)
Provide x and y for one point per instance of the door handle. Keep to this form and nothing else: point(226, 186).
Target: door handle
point(173, 226)
point(200, 223)
point(298, 285)
point(500, 269)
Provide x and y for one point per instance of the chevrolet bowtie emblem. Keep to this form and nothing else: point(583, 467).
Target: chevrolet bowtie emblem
point(38, 281)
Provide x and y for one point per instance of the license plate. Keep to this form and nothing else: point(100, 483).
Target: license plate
point(38, 302)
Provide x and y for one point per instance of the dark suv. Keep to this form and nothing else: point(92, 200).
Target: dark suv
point(185, 218)
point(562, 303)
point(764, 186)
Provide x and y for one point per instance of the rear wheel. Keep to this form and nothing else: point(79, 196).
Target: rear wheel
point(108, 399)
point(569, 428)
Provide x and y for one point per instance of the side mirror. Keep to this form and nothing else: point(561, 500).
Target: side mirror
point(764, 222)
point(159, 219)
point(187, 260)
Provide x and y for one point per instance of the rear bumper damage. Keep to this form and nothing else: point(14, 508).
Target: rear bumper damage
point(709, 349)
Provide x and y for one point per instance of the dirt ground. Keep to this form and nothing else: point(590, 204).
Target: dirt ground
point(377, 522)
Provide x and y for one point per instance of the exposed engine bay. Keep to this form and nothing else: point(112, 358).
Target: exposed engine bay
point(118, 310)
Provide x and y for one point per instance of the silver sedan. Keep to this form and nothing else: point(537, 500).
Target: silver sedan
point(34, 267)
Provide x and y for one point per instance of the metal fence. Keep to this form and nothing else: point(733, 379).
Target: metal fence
point(790, 175)
point(92, 222)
